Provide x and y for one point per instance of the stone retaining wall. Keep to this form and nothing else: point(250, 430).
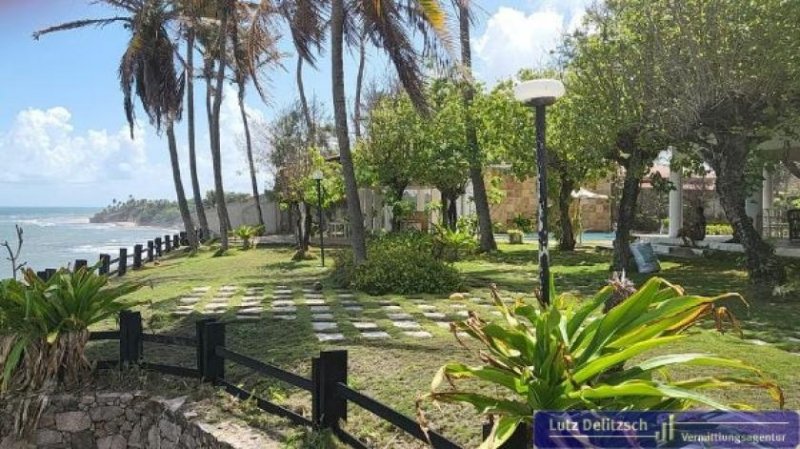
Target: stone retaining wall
point(100, 420)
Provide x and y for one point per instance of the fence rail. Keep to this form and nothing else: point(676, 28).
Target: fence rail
point(134, 257)
point(330, 394)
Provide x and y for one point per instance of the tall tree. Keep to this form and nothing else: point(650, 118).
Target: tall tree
point(734, 71)
point(476, 159)
point(147, 71)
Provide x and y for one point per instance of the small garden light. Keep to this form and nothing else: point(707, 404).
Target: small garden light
point(539, 94)
point(317, 175)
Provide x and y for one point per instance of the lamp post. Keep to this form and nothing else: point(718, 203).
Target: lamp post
point(317, 176)
point(539, 94)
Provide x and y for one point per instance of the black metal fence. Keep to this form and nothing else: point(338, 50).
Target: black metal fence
point(141, 254)
point(330, 394)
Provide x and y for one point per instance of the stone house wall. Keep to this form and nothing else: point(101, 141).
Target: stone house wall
point(99, 420)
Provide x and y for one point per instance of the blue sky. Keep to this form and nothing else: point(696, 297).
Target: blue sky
point(63, 135)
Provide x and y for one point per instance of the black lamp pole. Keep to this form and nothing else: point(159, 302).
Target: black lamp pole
point(541, 163)
point(321, 228)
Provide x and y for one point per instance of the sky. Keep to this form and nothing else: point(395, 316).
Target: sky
point(64, 140)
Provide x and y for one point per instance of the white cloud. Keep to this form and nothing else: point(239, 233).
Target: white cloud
point(514, 39)
point(42, 146)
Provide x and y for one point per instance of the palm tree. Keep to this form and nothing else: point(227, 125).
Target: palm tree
point(386, 23)
point(480, 198)
point(191, 15)
point(148, 66)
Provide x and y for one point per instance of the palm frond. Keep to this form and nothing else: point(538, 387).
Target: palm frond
point(80, 24)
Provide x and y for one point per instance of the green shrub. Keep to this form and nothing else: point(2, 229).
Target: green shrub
point(523, 223)
point(552, 357)
point(451, 245)
point(46, 325)
point(719, 229)
point(402, 263)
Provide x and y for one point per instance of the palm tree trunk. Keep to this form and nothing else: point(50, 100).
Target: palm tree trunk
point(340, 116)
point(479, 196)
point(760, 260)
point(183, 205)
point(359, 85)
point(216, 150)
point(249, 146)
point(303, 101)
point(198, 196)
point(631, 185)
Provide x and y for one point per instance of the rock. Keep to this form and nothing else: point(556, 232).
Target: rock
point(318, 286)
point(106, 413)
point(73, 421)
point(174, 404)
point(108, 398)
point(112, 442)
point(82, 440)
point(135, 438)
point(169, 430)
point(46, 437)
point(457, 297)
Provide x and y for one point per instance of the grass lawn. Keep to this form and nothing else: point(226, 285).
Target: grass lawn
point(397, 370)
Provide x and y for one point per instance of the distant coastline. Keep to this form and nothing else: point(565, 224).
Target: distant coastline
point(133, 212)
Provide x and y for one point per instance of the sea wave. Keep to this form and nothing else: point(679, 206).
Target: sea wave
point(95, 249)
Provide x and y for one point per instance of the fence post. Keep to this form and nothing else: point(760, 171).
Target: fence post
point(328, 408)
point(130, 337)
point(158, 246)
point(176, 241)
point(150, 248)
point(520, 439)
point(137, 256)
point(184, 238)
point(122, 265)
point(42, 275)
point(80, 263)
point(49, 273)
point(199, 234)
point(105, 263)
point(200, 334)
point(213, 365)
point(167, 243)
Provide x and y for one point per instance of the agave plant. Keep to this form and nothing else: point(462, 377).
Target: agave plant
point(552, 357)
point(45, 330)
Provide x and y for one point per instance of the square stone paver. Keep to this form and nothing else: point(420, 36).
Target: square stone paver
point(434, 315)
point(282, 292)
point(322, 317)
point(251, 311)
point(314, 295)
point(462, 314)
point(284, 309)
point(323, 327)
point(354, 309)
point(426, 307)
point(282, 302)
point(315, 302)
point(320, 308)
point(285, 317)
point(189, 300)
point(457, 305)
point(375, 335)
point(364, 325)
point(392, 308)
point(399, 316)
point(406, 324)
point(418, 334)
point(330, 337)
point(228, 288)
point(348, 302)
point(346, 295)
point(251, 298)
point(201, 289)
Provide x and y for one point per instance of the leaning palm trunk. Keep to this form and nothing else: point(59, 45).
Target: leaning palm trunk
point(359, 85)
point(480, 198)
point(183, 205)
point(303, 101)
point(634, 166)
point(249, 147)
point(357, 231)
point(198, 197)
point(216, 150)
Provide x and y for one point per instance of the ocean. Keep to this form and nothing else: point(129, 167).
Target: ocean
point(56, 236)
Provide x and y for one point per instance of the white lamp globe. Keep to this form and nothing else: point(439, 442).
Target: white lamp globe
point(317, 175)
point(539, 92)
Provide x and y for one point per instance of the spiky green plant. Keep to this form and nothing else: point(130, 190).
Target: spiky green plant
point(246, 233)
point(46, 323)
point(552, 357)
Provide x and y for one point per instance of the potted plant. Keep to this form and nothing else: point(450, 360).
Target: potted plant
point(515, 236)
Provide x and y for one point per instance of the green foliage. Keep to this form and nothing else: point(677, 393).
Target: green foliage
point(719, 229)
point(247, 234)
point(45, 325)
point(523, 223)
point(402, 263)
point(553, 357)
point(453, 245)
